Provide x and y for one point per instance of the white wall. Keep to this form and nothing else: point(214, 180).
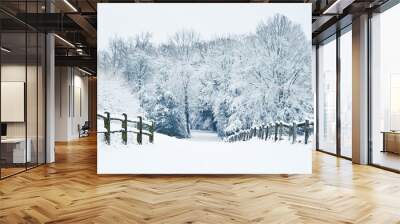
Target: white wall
point(79, 110)
point(71, 102)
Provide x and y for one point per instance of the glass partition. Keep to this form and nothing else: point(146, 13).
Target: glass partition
point(327, 96)
point(32, 86)
point(22, 77)
point(346, 93)
point(385, 89)
point(32, 95)
point(13, 94)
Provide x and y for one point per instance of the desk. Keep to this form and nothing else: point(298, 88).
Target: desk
point(13, 150)
point(391, 141)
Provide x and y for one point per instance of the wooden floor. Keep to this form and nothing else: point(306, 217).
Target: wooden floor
point(5, 172)
point(386, 159)
point(70, 191)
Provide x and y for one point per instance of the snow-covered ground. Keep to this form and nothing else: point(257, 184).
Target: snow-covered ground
point(203, 136)
point(204, 153)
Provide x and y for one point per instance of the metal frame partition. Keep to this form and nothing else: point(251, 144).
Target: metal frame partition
point(339, 29)
point(338, 96)
point(0, 90)
point(382, 8)
point(318, 120)
point(35, 72)
point(369, 125)
point(339, 32)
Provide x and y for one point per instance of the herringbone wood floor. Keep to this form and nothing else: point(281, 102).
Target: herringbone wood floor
point(70, 191)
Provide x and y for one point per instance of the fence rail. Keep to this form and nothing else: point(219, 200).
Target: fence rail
point(274, 131)
point(142, 127)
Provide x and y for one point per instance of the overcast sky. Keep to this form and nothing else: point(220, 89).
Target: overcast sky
point(210, 20)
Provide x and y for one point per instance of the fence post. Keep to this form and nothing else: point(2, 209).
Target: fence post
point(280, 130)
point(140, 128)
point(107, 134)
point(294, 134)
point(261, 130)
point(125, 129)
point(306, 130)
point(264, 132)
point(151, 137)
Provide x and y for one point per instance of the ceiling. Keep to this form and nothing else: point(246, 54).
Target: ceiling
point(75, 21)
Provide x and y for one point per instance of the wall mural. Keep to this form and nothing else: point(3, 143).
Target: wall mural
point(204, 88)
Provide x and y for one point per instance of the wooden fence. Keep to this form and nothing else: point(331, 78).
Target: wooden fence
point(274, 131)
point(142, 127)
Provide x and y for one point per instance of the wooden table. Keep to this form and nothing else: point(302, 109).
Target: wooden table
point(391, 141)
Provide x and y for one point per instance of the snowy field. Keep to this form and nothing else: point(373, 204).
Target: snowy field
point(204, 153)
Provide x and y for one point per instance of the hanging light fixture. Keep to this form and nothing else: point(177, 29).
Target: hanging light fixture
point(5, 50)
point(64, 40)
point(70, 5)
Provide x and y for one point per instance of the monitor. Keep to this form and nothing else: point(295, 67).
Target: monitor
point(3, 129)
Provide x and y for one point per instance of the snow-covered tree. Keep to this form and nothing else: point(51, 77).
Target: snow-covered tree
point(165, 110)
point(223, 84)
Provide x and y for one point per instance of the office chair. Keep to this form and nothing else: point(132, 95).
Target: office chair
point(84, 130)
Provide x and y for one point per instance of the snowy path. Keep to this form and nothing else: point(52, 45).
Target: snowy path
point(203, 154)
point(203, 136)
